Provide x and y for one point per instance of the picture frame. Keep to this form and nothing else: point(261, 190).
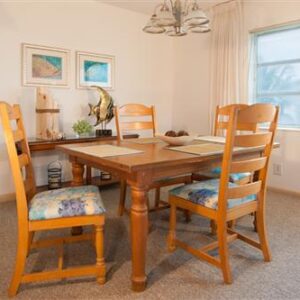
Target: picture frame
point(95, 69)
point(45, 66)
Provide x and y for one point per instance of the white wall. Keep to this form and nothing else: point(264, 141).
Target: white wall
point(171, 73)
point(192, 86)
point(191, 83)
point(143, 63)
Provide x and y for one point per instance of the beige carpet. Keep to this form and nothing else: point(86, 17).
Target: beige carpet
point(170, 276)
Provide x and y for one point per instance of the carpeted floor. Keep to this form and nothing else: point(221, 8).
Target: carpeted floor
point(170, 276)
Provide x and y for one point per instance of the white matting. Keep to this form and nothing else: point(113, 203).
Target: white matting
point(106, 150)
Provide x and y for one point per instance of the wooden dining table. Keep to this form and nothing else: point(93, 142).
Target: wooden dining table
point(141, 170)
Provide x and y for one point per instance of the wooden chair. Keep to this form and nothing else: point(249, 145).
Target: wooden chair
point(220, 125)
point(67, 207)
point(128, 112)
point(221, 200)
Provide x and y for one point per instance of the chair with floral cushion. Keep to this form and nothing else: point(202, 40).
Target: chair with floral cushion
point(221, 200)
point(55, 209)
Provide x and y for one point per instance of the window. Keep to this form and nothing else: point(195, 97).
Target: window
point(276, 72)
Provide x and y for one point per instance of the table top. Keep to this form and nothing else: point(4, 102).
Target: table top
point(156, 155)
point(36, 144)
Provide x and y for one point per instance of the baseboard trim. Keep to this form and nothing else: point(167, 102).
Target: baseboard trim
point(7, 197)
point(283, 191)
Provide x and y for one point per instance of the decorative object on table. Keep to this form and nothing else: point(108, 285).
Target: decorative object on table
point(182, 133)
point(47, 116)
point(171, 133)
point(105, 175)
point(45, 66)
point(176, 140)
point(82, 128)
point(54, 175)
point(103, 111)
point(178, 18)
point(95, 69)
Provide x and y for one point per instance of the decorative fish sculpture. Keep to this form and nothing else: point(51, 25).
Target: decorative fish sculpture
point(103, 111)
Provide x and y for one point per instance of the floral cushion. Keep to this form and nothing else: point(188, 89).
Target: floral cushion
point(206, 193)
point(216, 173)
point(66, 202)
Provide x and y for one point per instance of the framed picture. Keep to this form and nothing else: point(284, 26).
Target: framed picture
point(45, 66)
point(95, 69)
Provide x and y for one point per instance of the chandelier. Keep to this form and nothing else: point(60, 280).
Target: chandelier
point(178, 18)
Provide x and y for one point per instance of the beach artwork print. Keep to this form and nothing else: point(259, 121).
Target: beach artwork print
point(45, 66)
point(95, 69)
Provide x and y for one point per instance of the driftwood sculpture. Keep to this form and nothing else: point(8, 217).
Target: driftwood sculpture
point(47, 112)
point(103, 111)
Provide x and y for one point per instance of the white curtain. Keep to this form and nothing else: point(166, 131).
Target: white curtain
point(228, 67)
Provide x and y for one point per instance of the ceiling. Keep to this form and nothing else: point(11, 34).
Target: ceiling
point(147, 6)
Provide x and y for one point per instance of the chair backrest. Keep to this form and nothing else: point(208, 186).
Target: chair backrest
point(19, 157)
point(221, 119)
point(131, 111)
point(255, 114)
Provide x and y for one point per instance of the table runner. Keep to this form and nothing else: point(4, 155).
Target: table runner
point(145, 141)
point(201, 149)
point(106, 150)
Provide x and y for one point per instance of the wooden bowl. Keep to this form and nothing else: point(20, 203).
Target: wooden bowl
point(176, 141)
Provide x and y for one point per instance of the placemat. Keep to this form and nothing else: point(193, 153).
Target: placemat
point(200, 149)
point(106, 150)
point(211, 138)
point(145, 140)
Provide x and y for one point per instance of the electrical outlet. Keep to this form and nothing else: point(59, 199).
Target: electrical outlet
point(277, 169)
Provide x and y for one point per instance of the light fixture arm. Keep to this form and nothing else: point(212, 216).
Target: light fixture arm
point(177, 18)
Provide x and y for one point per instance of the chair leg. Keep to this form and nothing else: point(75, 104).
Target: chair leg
point(20, 264)
point(172, 229)
point(262, 234)
point(254, 222)
point(188, 215)
point(223, 251)
point(213, 227)
point(99, 252)
point(123, 187)
point(30, 239)
point(157, 197)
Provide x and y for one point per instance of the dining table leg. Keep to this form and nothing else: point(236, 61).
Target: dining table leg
point(139, 233)
point(77, 171)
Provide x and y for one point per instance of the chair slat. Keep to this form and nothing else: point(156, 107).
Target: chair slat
point(258, 113)
point(253, 140)
point(14, 114)
point(251, 165)
point(137, 125)
point(23, 160)
point(222, 125)
point(134, 110)
point(18, 135)
point(244, 190)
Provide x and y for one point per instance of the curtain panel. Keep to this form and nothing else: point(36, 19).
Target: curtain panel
point(228, 62)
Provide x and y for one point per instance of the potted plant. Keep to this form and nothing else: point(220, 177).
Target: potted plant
point(82, 128)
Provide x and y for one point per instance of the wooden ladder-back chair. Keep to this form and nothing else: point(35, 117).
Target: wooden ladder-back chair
point(223, 201)
point(45, 211)
point(219, 129)
point(131, 112)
